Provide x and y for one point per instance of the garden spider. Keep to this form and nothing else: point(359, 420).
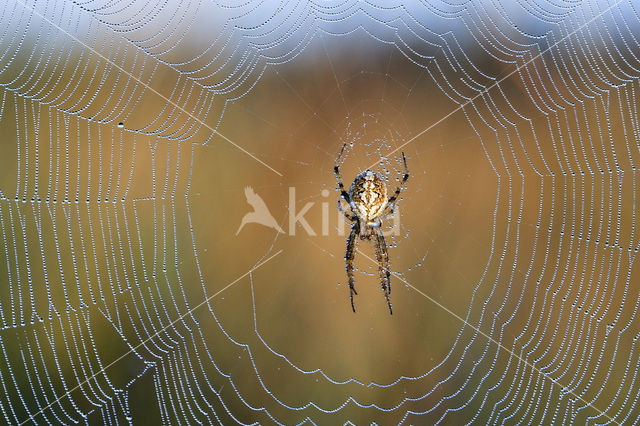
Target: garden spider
point(368, 202)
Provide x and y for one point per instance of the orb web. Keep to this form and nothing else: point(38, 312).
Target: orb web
point(138, 135)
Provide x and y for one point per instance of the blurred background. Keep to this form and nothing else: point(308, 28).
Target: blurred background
point(130, 292)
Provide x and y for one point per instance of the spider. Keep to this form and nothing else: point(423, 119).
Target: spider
point(369, 205)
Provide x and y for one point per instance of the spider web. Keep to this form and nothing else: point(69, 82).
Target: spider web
point(131, 130)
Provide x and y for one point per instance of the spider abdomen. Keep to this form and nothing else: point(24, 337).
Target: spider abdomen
point(369, 195)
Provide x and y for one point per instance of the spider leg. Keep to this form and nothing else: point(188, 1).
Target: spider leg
point(336, 170)
point(382, 256)
point(349, 257)
point(405, 177)
point(349, 217)
point(385, 256)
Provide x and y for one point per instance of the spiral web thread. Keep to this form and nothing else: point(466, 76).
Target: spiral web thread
point(80, 190)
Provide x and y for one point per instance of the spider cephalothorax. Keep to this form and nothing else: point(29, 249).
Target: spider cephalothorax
point(369, 204)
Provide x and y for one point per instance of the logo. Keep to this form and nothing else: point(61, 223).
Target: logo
point(262, 216)
point(260, 213)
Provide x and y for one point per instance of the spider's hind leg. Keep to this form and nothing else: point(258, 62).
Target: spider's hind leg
point(349, 257)
point(382, 256)
point(352, 291)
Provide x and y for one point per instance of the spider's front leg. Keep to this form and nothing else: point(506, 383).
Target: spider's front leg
point(349, 217)
point(382, 256)
point(349, 257)
point(336, 170)
point(405, 177)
